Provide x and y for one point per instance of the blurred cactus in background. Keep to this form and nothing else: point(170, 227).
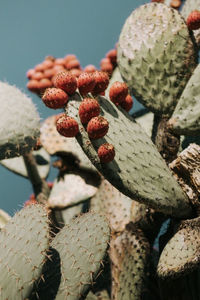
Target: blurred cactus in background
point(96, 232)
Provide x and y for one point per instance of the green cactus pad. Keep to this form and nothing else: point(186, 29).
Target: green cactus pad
point(156, 56)
point(115, 205)
point(81, 246)
point(19, 122)
point(181, 255)
point(70, 191)
point(129, 253)
point(23, 245)
point(186, 116)
point(53, 142)
point(138, 170)
point(17, 165)
point(4, 218)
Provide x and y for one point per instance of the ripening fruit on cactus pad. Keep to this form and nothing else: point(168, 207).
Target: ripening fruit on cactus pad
point(67, 126)
point(127, 103)
point(106, 153)
point(86, 83)
point(54, 98)
point(65, 81)
point(118, 92)
point(101, 82)
point(97, 127)
point(193, 20)
point(88, 109)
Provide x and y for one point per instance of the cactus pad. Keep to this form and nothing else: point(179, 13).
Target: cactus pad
point(186, 116)
point(138, 170)
point(81, 245)
point(115, 205)
point(70, 191)
point(181, 255)
point(19, 122)
point(156, 56)
point(17, 165)
point(23, 245)
point(129, 255)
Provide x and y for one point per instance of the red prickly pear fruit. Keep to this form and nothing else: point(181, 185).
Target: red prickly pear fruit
point(30, 73)
point(88, 109)
point(158, 1)
point(112, 55)
point(97, 127)
point(59, 61)
point(40, 67)
point(72, 64)
point(69, 57)
point(101, 82)
point(105, 60)
point(47, 64)
point(54, 98)
point(38, 75)
point(65, 81)
point(33, 85)
point(76, 72)
point(90, 69)
point(107, 67)
point(86, 83)
point(106, 153)
point(49, 73)
point(118, 92)
point(45, 83)
point(193, 20)
point(67, 126)
point(127, 103)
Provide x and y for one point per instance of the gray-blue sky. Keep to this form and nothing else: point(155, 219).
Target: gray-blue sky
point(30, 30)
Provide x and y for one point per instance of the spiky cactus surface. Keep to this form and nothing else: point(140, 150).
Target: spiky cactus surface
point(93, 235)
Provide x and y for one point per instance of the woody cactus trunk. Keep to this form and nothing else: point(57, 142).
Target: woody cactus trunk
point(96, 232)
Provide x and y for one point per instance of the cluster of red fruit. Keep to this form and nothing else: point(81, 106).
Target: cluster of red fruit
point(42, 75)
point(89, 110)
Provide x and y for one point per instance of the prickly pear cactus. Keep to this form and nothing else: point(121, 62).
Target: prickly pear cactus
point(138, 170)
point(19, 122)
point(23, 245)
point(156, 56)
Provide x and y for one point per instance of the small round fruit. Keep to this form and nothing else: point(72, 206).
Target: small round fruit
point(193, 20)
point(88, 109)
point(127, 103)
point(54, 98)
point(118, 92)
point(67, 126)
point(86, 83)
point(106, 153)
point(65, 81)
point(101, 82)
point(97, 127)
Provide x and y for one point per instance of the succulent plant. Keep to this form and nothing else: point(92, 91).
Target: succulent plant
point(97, 235)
